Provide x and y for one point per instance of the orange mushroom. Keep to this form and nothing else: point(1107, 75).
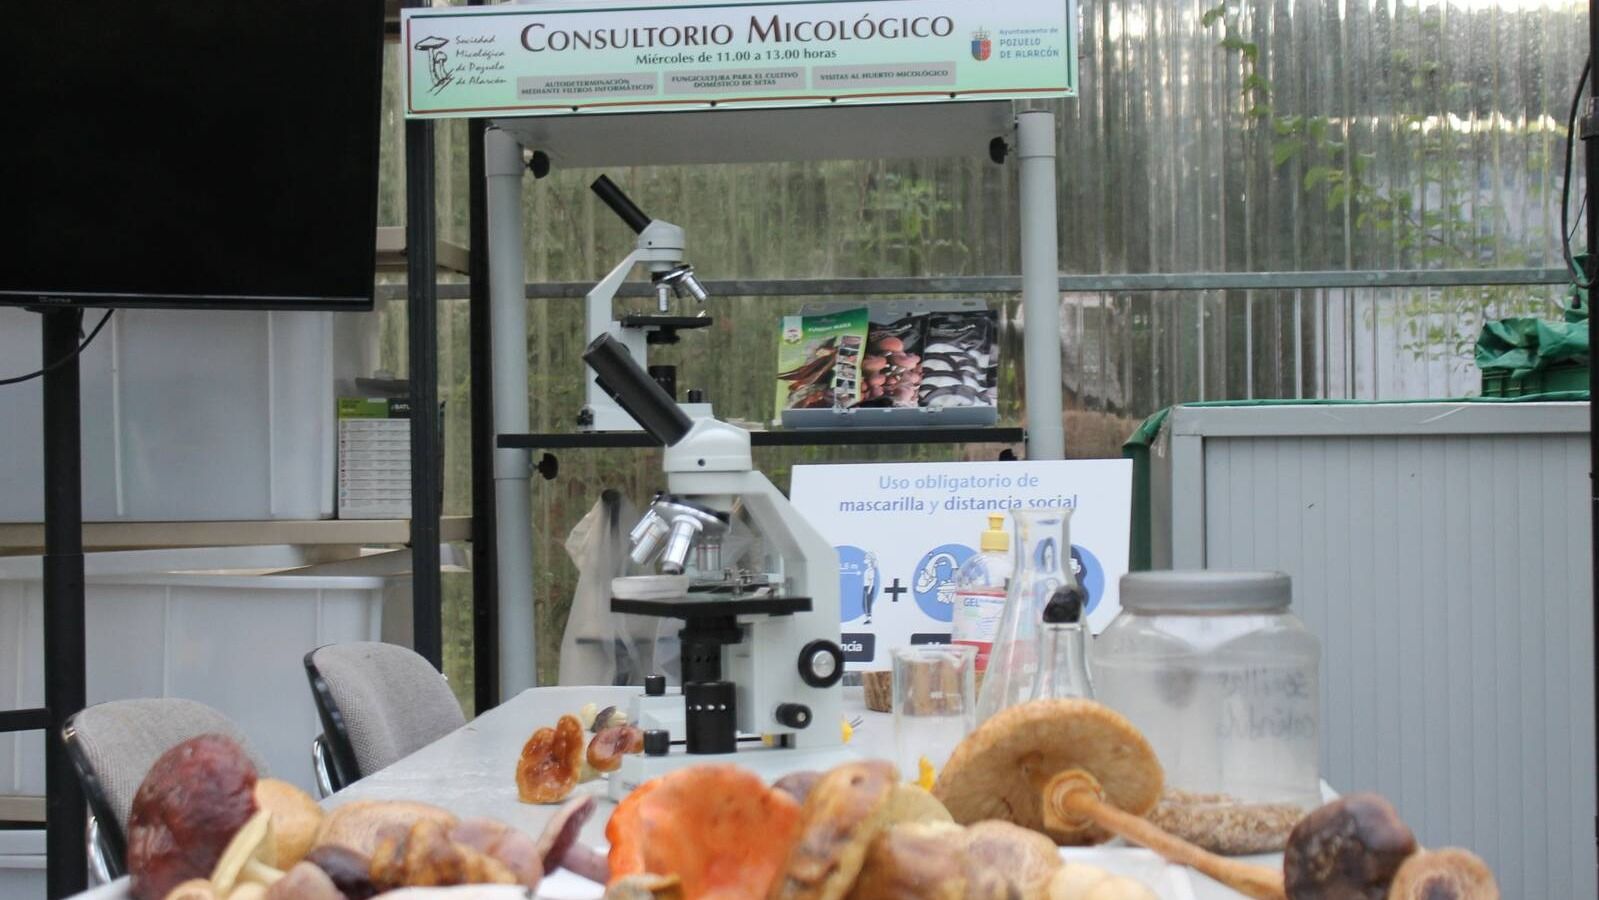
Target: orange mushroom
point(701, 824)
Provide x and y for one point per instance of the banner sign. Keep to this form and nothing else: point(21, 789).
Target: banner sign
point(568, 56)
point(903, 531)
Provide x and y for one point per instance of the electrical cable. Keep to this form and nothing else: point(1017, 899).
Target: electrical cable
point(63, 360)
point(1579, 277)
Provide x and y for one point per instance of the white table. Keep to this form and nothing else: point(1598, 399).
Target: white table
point(472, 772)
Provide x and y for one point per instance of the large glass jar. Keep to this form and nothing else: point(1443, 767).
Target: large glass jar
point(1222, 678)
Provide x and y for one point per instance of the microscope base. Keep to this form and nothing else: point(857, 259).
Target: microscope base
point(770, 763)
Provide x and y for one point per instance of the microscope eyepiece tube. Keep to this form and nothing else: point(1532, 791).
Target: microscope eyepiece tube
point(635, 391)
point(620, 204)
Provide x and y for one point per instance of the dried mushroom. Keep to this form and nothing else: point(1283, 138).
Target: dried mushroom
point(548, 769)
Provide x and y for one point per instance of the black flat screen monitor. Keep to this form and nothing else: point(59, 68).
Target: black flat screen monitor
point(190, 153)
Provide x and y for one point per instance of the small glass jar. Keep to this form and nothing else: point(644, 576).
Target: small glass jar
point(1222, 679)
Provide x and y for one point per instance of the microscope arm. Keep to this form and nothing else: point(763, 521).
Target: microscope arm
point(597, 308)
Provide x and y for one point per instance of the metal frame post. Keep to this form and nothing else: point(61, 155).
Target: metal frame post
point(485, 552)
point(421, 244)
point(65, 691)
point(1046, 428)
point(1590, 147)
point(513, 503)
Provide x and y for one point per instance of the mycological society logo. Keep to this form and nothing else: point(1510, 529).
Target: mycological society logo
point(438, 61)
point(982, 47)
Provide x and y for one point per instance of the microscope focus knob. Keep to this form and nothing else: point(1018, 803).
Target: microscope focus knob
point(657, 742)
point(793, 715)
point(654, 685)
point(821, 664)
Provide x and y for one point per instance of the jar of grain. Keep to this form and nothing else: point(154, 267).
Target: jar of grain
point(1223, 679)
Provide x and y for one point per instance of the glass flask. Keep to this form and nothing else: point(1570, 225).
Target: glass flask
point(1063, 648)
point(1042, 567)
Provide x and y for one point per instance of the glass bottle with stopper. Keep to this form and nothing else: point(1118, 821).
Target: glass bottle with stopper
point(1063, 648)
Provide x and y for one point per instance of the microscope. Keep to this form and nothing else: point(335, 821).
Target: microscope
point(761, 662)
point(660, 248)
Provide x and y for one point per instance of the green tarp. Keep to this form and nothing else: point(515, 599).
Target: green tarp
point(1522, 346)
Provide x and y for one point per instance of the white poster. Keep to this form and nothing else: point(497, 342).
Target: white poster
point(903, 531)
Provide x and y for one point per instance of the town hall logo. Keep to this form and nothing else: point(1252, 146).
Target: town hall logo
point(982, 47)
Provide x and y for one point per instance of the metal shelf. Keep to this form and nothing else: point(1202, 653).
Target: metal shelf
point(29, 537)
point(807, 437)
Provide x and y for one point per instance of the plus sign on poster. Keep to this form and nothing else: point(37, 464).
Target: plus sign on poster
point(903, 531)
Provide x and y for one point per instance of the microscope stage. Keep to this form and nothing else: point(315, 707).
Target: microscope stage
point(692, 607)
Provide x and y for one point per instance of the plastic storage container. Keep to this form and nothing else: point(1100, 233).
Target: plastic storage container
point(1222, 678)
point(185, 623)
point(187, 416)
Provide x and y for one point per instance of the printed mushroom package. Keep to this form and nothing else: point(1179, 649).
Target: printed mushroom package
point(865, 359)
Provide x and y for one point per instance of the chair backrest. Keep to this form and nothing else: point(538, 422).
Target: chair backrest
point(378, 703)
point(113, 745)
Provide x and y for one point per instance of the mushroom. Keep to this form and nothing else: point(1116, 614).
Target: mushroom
point(356, 826)
point(560, 835)
point(195, 798)
point(1026, 857)
point(296, 818)
point(798, 784)
point(926, 861)
point(349, 871)
point(611, 743)
point(248, 857)
point(646, 887)
point(1447, 874)
point(551, 760)
point(842, 816)
point(193, 889)
point(913, 803)
point(698, 823)
point(1079, 772)
point(1349, 849)
point(306, 881)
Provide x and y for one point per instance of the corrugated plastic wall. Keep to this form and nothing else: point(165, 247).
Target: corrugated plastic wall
point(1449, 580)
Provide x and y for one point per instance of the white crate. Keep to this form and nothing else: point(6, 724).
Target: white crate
point(186, 416)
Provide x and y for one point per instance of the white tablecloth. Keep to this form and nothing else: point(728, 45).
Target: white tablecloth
point(471, 772)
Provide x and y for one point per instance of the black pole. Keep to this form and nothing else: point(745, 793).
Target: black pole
point(1590, 130)
point(422, 321)
point(485, 566)
point(66, 855)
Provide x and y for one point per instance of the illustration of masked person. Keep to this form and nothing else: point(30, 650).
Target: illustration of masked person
point(869, 585)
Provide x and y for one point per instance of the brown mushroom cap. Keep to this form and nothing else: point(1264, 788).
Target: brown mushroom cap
point(916, 861)
point(295, 819)
point(842, 815)
point(305, 882)
point(1447, 874)
point(1001, 770)
point(356, 826)
point(1028, 859)
point(1349, 848)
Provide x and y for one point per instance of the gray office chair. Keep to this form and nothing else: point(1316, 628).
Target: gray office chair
point(112, 747)
point(378, 703)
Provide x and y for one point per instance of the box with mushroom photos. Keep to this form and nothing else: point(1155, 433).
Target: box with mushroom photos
point(894, 364)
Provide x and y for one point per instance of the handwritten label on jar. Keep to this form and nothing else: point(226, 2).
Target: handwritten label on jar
point(1266, 704)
